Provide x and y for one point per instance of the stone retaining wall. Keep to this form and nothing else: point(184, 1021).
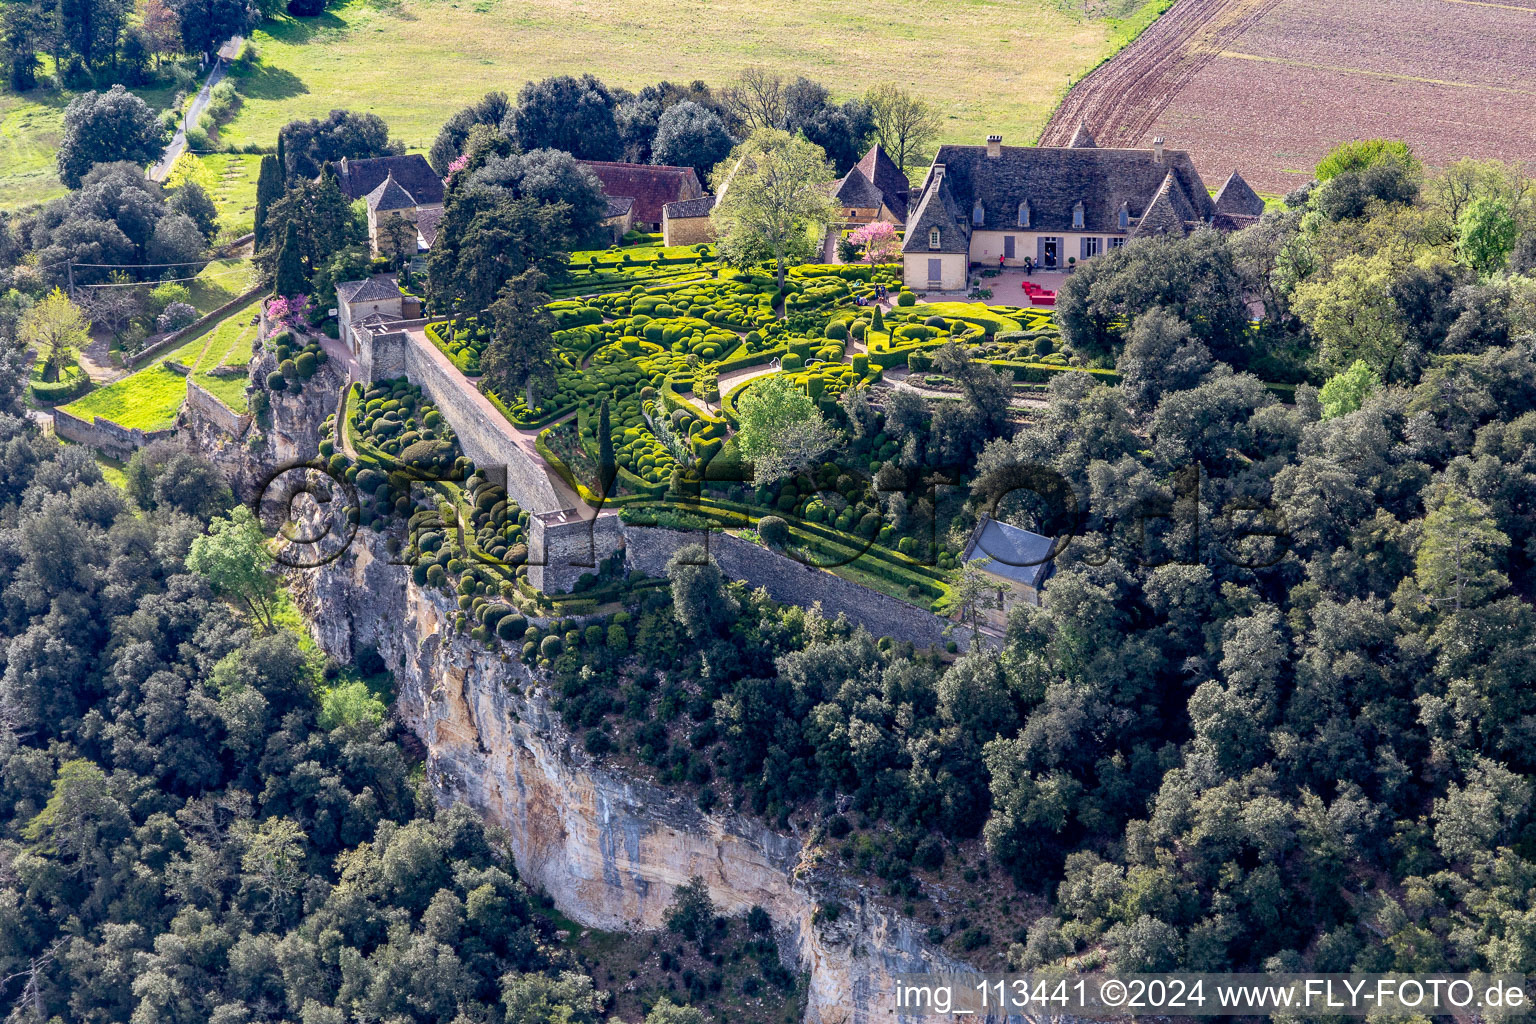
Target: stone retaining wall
point(114, 441)
point(145, 357)
point(205, 404)
point(647, 549)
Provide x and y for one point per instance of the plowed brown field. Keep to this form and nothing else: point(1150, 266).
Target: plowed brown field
point(1269, 86)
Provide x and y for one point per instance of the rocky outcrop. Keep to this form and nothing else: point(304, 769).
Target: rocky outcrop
point(286, 434)
point(610, 849)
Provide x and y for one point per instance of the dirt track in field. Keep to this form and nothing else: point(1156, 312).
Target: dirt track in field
point(1268, 86)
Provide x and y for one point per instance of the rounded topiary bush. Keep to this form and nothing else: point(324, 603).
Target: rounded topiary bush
point(773, 530)
point(306, 365)
point(512, 627)
point(288, 368)
point(276, 381)
point(549, 647)
point(936, 321)
point(906, 298)
point(1044, 346)
point(792, 362)
point(837, 331)
point(618, 638)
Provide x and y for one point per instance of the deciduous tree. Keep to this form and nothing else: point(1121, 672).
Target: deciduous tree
point(777, 205)
point(57, 328)
point(233, 557)
point(905, 125)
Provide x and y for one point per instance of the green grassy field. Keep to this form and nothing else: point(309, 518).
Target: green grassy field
point(989, 65)
point(234, 191)
point(221, 281)
point(150, 398)
point(30, 128)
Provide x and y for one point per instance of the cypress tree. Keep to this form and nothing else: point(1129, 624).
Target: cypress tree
point(607, 464)
point(269, 187)
point(282, 160)
point(290, 279)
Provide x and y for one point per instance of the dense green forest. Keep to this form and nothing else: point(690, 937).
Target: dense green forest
point(201, 819)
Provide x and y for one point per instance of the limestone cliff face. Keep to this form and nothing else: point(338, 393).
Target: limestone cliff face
point(608, 848)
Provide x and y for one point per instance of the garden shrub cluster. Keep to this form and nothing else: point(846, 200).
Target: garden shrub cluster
point(295, 363)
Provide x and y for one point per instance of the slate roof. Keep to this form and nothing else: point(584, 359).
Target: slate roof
point(389, 195)
point(427, 222)
point(357, 178)
point(373, 289)
point(618, 206)
point(883, 173)
point(855, 190)
point(1237, 204)
point(937, 209)
point(1053, 180)
point(1010, 552)
point(1082, 138)
point(685, 208)
point(651, 186)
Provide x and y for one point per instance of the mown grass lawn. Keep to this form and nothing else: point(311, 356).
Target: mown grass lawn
point(234, 191)
point(220, 282)
point(989, 65)
point(150, 398)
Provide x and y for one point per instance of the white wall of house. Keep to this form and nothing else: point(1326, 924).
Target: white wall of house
point(919, 268)
point(987, 246)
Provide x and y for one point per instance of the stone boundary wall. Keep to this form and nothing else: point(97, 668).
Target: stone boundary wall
point(207, 405)
point(110, 439)
point(143, 359)
point(647, 549)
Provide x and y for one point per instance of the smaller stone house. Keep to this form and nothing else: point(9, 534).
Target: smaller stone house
point(687, 222)
point(357, 301)
point(650, 187)
point(399, 190)
point(873, 189)
point(1019, 561)
point(619, 219)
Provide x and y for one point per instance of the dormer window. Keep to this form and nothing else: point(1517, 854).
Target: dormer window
point(978, 215)
point(1077, 216)
point(1125, 216)
point(1024, 214)
point(933, 238)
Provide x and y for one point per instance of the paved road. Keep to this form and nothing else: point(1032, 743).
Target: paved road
point(227, 53)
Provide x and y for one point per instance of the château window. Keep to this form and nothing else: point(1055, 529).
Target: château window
point(1024, 214)
point(978, 215)
point(933, 238)
point(1077, 216)
point(1125, 216)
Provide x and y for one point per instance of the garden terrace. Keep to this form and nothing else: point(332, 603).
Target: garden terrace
point(215, 356)
point(672, 361)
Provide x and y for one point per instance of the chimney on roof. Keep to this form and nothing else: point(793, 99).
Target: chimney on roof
point(1157, 150)
point(994, 146)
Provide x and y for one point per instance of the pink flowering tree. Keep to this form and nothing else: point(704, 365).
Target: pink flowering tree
point(291, 311)
point(458, 165)
point(879, 242)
